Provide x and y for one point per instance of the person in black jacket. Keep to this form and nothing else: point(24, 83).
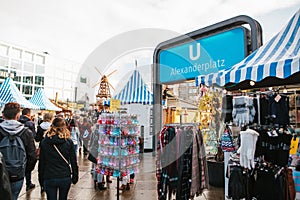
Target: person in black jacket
point(5, 189)
point(11, 114)
point(25, 119)
point(43, 126)
point(57, 150)
point(41, 129)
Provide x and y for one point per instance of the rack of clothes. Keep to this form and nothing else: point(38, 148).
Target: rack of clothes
point(262, 108)
point(181, 168)
point(259, 169)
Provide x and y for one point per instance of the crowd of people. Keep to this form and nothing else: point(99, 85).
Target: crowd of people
point(51, 140)
point(23, 142)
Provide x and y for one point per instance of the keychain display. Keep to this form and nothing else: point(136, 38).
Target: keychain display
point(118, 144)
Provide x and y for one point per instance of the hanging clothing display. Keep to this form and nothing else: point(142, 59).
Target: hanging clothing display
point(279, 109)
point(274, 145)
point(243, 112)
point(247, 148)
point(181, 162)
point(227, 143)
point(260, 167)
point(226, 115)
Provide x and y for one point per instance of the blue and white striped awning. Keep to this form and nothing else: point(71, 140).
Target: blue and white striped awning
point(10, 93)
point(42, 101)
point(277, 58)
point(135, 91)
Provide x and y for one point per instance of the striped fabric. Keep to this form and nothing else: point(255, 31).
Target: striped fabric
point(10, 93)
point(42, 101)
point(135, 91)
point(277, 58)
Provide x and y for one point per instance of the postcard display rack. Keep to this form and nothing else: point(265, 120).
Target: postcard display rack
point(118, 151)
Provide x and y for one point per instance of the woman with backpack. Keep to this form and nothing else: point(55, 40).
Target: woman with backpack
point(58, 166)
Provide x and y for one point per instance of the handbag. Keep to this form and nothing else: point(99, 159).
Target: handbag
point(62, 156)
point(38, 151)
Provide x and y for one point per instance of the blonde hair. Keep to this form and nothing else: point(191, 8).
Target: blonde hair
point(58, 127)
point(48, 117)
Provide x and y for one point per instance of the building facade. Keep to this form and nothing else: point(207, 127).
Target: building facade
point(27, 68)
point(32, 70)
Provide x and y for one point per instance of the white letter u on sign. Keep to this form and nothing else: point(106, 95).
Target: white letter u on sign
point(192, 57)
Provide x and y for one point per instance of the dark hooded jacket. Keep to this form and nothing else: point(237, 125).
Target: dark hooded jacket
point(51, 164)
point(14, 127)
point(28, 123)
point(5, 189)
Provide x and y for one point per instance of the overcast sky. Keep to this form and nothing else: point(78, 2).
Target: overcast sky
point(72, 29)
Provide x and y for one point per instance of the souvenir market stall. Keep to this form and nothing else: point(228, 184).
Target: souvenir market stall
point(263, 103)
point(182, 170)
point(10, 93)
point(137, 99)
point(40, 99)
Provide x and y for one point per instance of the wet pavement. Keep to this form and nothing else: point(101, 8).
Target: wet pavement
point(143, 188)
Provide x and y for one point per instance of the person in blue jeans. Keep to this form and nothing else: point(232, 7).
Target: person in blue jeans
point(11, 125)
point(58, 166)
point(25, 119)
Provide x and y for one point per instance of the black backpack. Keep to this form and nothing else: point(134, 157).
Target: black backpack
point(14, 153)
point(5, 189)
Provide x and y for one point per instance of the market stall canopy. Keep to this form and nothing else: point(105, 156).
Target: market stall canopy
point(135, 91)
point(42, 101)
point(278, 58)
point(10, 93)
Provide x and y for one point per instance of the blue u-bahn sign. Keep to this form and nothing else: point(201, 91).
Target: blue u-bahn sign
point(205, 55)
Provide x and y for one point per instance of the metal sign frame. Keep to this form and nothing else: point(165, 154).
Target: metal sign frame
point(255, 42)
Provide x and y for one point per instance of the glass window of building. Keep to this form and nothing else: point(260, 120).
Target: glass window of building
point(18, 86)
point(28, 67)
point(39, 69)
point(3, 61)
point(39, 80)
point(59, 83)
point(67, 84)
point(49, 81)
point(4, 49)
point(67, 76)
point(36, 89)
point(59, 74)
point(16, 53)
point(16, 64)
point(28, 56)
point(28, 79)
point(16, 75)
point(39, 59)
point(27, 89)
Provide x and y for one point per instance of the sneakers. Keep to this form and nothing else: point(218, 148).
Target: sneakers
point(31, 186)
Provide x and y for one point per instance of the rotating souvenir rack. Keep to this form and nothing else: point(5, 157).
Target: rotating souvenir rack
point(118, 151)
